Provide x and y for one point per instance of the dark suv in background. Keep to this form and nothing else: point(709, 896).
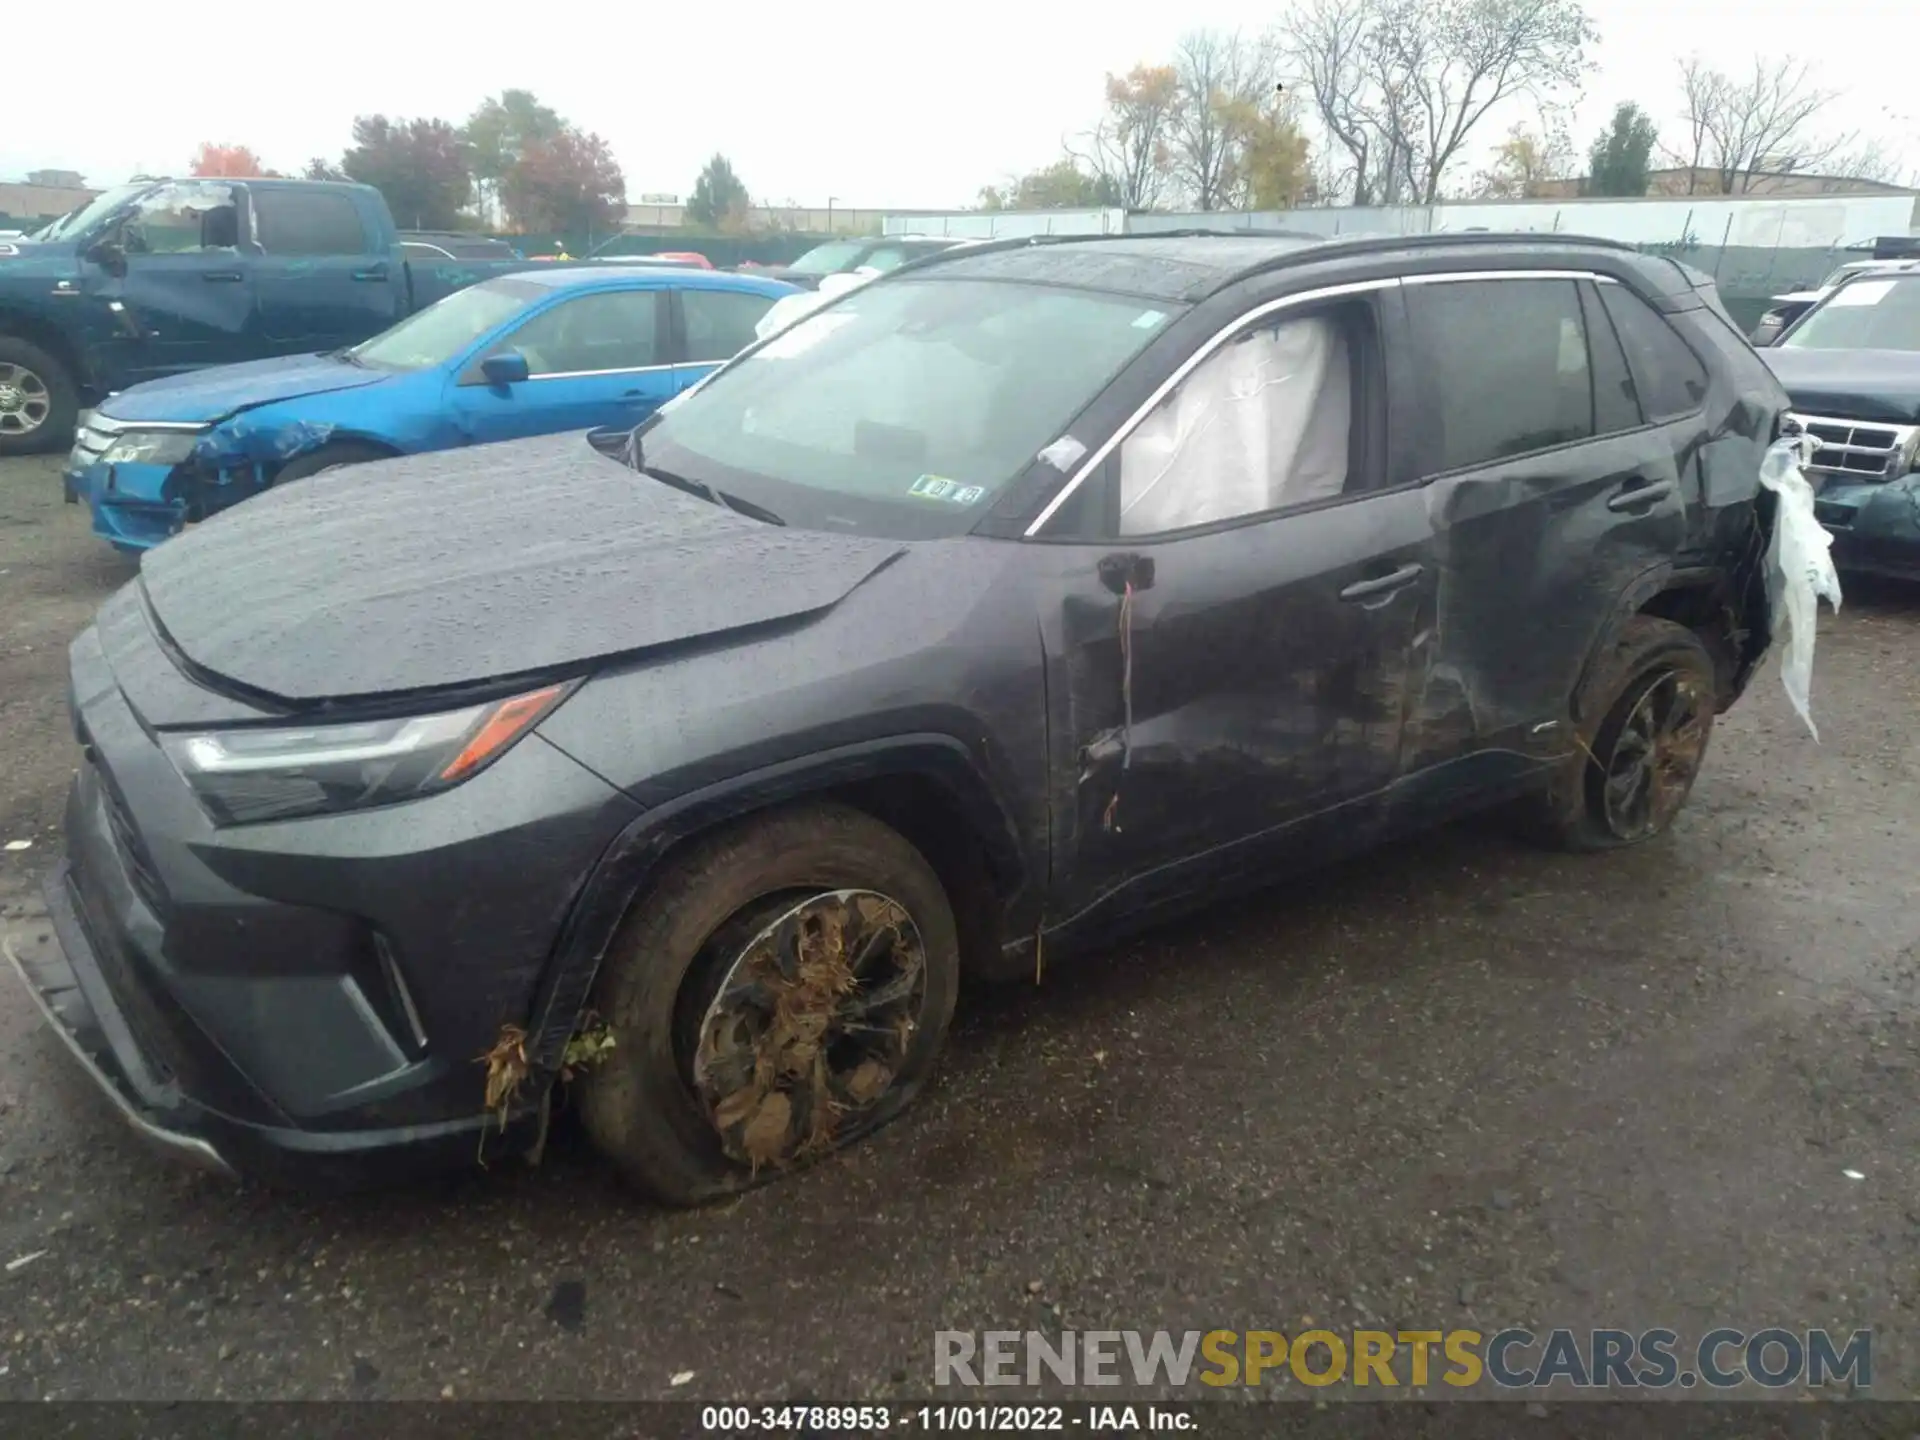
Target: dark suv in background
point(1852, 367)
point(1012, 600)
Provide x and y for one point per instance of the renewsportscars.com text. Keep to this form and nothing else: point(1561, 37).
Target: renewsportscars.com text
point(1512, 1359)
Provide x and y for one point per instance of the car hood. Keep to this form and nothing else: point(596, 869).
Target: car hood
point(1879, 385)
point(470, 566)
point(210, 395)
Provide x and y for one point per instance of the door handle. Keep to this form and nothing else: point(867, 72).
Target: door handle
point(372, 272)
point(1381, 584)
point(211, 276)
point(1635, 496)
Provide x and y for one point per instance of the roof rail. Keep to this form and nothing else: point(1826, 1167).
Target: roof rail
point(1326, 245)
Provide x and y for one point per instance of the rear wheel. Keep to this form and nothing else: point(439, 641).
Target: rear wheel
point(330, 457)
point(783, 990)
point(1654, 699)
point(39, 403)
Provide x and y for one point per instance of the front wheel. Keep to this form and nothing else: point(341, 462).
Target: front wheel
point(781, 991)
point(1654, 696)
point(330, 457)
point(39, 403)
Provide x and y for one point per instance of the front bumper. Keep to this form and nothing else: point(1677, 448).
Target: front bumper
point(1875, 528)
point(66, 981)
point(302, 1001)
point(130, 506)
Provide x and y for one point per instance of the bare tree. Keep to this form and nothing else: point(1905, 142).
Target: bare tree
point(1221, 76)
point(1737, 129)
point(1325, 43)
point(1400, 85)
point(1870, 161)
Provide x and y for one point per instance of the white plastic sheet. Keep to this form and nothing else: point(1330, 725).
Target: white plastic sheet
point(1799, 566)
point(1259, 425)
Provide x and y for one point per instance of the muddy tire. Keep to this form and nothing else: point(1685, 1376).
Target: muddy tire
point(741, 1048)
point(39, 402)
point(329, 457)
point(1651, 704)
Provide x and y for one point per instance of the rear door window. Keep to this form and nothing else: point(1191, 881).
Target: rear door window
point(1669, 377)
point(719, 323)
point(307, 222)
point(614, 330)
point(1507, 361)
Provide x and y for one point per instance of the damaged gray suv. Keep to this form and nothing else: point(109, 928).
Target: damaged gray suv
point(1025, 595)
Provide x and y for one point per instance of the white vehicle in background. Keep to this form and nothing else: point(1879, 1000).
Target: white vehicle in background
point(1790, 307)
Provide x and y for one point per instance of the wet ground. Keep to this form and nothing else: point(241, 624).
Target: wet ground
point(1456, 1083)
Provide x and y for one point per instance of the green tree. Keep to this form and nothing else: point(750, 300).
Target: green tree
point(1062, 185)
point(499, 132)
point(419, 165)
point(718, 196)
point(1622, 153)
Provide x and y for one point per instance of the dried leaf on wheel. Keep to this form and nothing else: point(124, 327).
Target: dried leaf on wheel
point(765, 1138)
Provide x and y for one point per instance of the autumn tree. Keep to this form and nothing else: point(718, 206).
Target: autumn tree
point(1622, 153)
point(1525, 161)
point(421, 166)
point(1223, 78)
point(1129, 148)
point(1063, 185)
point(498, 134)
point(719, 197)
point(1401, 85)
point(1270, 168)
point(1738, 128)
point(226, 161)
point(568, 182)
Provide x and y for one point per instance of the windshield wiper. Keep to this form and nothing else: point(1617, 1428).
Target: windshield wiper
point(634, 455)
point(346, 353)
point(709, 493)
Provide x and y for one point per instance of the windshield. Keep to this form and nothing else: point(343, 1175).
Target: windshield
point(447, 327)
point(830, 258)
point(78, 222)
point(1869, 313)
point(903, 408)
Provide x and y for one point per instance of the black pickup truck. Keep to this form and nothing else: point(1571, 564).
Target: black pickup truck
point(162, 276)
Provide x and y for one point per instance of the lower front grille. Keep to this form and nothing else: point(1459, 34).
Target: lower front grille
point(149, 1025)
point(1859, 450)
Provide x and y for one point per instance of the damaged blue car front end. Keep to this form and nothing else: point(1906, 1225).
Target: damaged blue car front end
point(152, 460)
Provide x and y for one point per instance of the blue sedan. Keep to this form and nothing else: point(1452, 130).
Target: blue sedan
point(526, 354)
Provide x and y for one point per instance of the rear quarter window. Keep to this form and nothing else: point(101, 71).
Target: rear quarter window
point(1669, 377)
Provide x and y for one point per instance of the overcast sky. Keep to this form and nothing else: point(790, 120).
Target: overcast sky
point(920, 110)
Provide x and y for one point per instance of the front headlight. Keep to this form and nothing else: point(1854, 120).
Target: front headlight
point(249, 775)
point(150, 447)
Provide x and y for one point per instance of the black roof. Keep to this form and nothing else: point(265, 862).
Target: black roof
point(1190, 265)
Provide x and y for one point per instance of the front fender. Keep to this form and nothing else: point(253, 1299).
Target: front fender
point(636, 854)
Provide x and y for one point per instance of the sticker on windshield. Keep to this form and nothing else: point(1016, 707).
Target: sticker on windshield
point(1148, 319)
point(1861, 292)
point(936, 487)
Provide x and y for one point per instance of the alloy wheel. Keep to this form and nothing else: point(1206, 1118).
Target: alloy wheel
point(24, 400)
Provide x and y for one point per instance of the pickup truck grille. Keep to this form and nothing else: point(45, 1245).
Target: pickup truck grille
point(1859, 450)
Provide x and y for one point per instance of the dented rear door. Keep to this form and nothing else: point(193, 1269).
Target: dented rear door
point(1549, 497)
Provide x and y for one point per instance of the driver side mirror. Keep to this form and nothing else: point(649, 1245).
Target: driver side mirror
point(505, 367)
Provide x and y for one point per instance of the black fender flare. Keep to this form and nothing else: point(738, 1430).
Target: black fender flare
point(1655, 580)
point(626, 864)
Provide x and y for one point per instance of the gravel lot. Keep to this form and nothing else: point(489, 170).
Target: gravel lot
point(1456, 1083)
